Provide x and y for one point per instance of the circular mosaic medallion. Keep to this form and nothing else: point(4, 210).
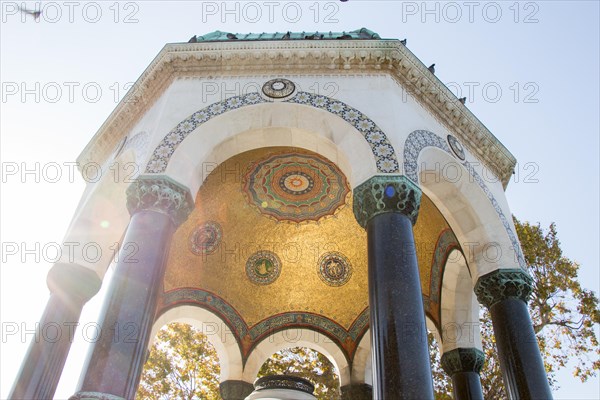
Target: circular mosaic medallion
point(295, 187)
point(278, 88)
point(456, 147)
point(334, 268)
point(206, 238)
point(263, 267)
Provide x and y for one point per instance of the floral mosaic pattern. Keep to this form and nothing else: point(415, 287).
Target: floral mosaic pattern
point(420, 139)
point(263, 267)
point(334, 268)
point(385, 156)
point(206, 238)
point(295, 187)
point(247, 336)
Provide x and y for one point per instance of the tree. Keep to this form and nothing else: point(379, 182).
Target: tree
point(308, 364)
point(182, 365)
point(564, 316)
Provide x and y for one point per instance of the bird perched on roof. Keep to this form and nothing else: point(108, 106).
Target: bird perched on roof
point(432, 68)
point(287, 35)
point(403, 42)
point(231, 36)
point(463, 100)
point(35, 14)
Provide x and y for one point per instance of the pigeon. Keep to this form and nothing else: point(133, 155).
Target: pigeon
point(403, 42)
point(287, 35)
point(432, 68)
point(35, 14)
point(231, 36)
point(463, 100)
point(194, 39)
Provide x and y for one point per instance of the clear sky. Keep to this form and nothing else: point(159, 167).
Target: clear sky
point(530, 71)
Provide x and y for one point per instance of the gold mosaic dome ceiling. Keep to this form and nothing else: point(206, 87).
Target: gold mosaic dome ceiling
point(273, 243)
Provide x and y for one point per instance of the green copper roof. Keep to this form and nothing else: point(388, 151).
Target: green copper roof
point(218, 36)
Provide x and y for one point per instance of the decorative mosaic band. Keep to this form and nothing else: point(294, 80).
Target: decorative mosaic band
point(346, 339)
point(383, 151)
point(420, 139)
point(386, 193)
point(284, 382)
point(463, 360)
point(162, 194)
point(94, 396)
point(502, 284)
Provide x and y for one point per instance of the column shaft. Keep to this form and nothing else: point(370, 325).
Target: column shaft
point(115, 362)
point(467, 386)
point(398, 331)
point(505, 293)
point(235, 390)
point(521, 363)
point(357, 391)
point(70, 287)
point(45, 359)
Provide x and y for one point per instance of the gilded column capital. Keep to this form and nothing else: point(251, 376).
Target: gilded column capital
point(386, 193)
point(463, 360)
point(502, 284)
point(162, 194)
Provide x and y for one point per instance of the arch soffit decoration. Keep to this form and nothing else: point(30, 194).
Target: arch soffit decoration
point(464, 307)
point(212, 325)
point(301, 337)
point(248, 337)
point(420, 139)
point(446, 243)
point(383, 152)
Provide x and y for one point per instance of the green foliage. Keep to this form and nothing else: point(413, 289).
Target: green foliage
point(182, 365)
point(564, 316)
point(308, 364)
point(442, 385)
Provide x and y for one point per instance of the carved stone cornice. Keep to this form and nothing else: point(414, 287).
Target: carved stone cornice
point(327, 57)
point(162, 194)
point(386, 193)
point(94, 396)
point(462, 360)
point(502, 284)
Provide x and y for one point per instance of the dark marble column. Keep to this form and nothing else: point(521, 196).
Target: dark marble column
point(235, 390)
point(505, 293)
point(463, 366)
point(387, 206)
point(357, 391)
point(71, 286)
point(114, 365)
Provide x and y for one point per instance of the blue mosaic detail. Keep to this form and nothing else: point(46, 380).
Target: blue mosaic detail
point(420, 139)
point(383, 151)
